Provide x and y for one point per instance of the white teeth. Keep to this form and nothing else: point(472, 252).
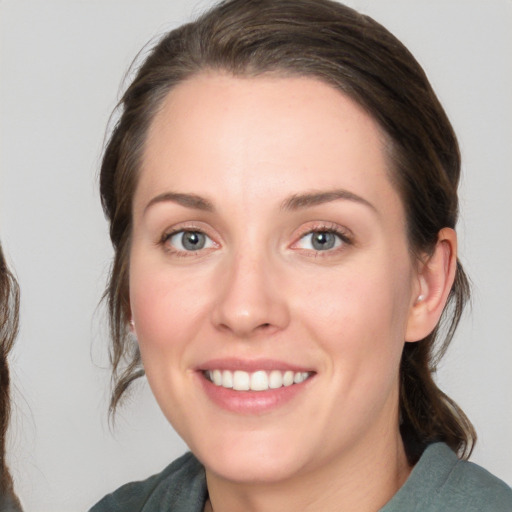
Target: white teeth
point(259, 381)
point(255, 381)
point(275, 379)
point(227, 379)
point(241, 381)
point(300, 377)
point(217, 377)
point(288, 378)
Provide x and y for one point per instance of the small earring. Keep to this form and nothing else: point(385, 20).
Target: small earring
point(132, 323)
point(420, 298)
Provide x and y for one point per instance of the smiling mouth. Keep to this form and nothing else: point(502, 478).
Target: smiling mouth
point(260, 380)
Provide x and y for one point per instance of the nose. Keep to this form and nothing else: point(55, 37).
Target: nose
point(251, 298)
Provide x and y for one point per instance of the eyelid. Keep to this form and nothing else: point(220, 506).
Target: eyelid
point(346, 236)
point(192, 225)
point(195, 227)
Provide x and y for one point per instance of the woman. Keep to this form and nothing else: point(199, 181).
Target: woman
point(9, 306)
point(282, 194)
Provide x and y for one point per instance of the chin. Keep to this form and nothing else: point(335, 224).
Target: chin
point(255, 459)
point(253, 470)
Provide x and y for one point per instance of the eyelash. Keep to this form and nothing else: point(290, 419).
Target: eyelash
point(182, 253)
point(343, 235)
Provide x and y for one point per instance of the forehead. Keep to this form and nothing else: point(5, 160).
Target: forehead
point(259, 137)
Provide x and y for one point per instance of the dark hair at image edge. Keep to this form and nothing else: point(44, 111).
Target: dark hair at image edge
point(356, 55)
point(9, 316)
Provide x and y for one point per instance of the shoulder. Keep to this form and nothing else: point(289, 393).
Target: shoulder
point(477, 489)
point(440, 481)
point(181, 486)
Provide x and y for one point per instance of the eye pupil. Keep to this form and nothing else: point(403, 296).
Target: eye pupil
point(193, 240)
point(323, 240)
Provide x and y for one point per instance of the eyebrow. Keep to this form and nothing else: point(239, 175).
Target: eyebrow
point(309, 199)
point(187, 200)
point(295, 202)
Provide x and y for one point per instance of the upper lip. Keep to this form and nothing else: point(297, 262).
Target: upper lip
point(251, 365)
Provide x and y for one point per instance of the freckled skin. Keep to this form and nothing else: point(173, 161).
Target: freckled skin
point(260, 290)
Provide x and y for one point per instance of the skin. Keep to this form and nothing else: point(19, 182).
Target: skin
point(259, 289)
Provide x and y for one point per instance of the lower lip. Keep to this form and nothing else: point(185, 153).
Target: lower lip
point(251, 402)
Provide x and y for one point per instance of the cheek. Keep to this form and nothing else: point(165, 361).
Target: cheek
point(166, 308)
point(359, 314)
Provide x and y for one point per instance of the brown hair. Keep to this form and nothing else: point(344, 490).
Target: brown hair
point(9, 309)
point(356, 55)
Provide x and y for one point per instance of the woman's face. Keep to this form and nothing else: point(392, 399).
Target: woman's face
point(270, 247)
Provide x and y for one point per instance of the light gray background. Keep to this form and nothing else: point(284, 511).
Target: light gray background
point(61, 67)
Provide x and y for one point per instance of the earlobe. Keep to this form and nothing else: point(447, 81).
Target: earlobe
point(435, 276)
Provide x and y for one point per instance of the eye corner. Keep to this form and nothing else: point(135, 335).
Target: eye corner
point(187, 241)
point(330, 238)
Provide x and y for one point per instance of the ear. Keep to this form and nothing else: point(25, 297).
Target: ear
point(436, 274)
point(128, 315)
point(131, 321)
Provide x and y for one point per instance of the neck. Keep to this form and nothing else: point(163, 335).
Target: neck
point(363, 480)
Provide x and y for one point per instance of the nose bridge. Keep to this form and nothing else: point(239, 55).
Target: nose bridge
point(250, 299)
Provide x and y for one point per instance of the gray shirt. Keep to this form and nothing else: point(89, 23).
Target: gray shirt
point(438, 482)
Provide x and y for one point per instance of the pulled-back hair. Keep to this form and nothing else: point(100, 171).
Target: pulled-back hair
point(9, 309)
point(351, 52)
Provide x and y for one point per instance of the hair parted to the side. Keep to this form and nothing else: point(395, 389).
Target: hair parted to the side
point(328, 41)
point(9, 318)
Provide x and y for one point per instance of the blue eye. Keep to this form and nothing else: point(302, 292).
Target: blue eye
point(189, 241)
point(321, 240)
